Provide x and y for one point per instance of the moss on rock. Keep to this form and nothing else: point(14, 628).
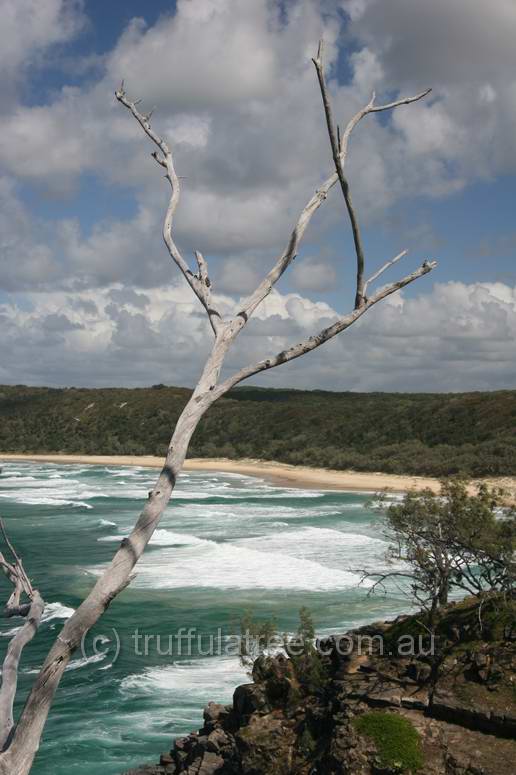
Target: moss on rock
point(396, 740)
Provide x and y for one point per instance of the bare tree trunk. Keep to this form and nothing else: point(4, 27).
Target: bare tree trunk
point(17, 760)
point(10, 668)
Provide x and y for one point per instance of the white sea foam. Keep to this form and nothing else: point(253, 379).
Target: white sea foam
point(16, 478)
point(169, 538)
point(253, 491)
point(76, 664)
point(334, 548)
point(219, 518)
point(186, 555)
point(200, 563)
point(112, 538)
point(162, 538)
point(238, 540)
point(42, 500)
point(56, 485)
point(52, 611)
point(39, 483)
point(203, 678)
point(65, 484)
point(125, 472)
point(56, 611)
point(64, 493)
point(312, 538)
point(11, 632)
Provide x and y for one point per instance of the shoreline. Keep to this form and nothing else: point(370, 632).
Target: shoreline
point(281, 474)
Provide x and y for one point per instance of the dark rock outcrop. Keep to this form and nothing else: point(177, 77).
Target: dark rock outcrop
point(461, 701)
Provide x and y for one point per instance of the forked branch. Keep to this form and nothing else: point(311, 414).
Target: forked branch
point(290, 252)
point(312, 342)
point(165, 159)
point(339, 148)
point(372, 108)
point(32, 612)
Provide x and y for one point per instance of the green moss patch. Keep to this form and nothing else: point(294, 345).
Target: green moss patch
point(395, 738)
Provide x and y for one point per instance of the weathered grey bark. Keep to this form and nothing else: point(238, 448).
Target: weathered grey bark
point(18, 757)
point(339, 167)
point(32, 611)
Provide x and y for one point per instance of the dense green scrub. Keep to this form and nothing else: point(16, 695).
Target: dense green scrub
point(437, 434)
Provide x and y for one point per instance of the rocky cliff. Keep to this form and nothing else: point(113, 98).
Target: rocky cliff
point(372, 709)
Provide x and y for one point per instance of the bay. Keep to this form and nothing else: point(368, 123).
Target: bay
point(227, 544)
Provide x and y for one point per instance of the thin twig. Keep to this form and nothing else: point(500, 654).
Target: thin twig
point(382, 269)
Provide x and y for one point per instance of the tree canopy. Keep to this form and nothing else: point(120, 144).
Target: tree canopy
point(472, 434)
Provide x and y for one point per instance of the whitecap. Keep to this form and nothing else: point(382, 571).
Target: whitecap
point(229, 565)
point(207, 677)
point(52, 611)
point(16, 478)
point(43, 500)
point(169, 538)
point(162, 537)
point(335, 548)
point(76, 664)
point(56, 611)
point(11, 632)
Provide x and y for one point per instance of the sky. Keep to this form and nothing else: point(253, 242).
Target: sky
point(88, 293)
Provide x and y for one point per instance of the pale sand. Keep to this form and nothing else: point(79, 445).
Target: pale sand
point(279, 473)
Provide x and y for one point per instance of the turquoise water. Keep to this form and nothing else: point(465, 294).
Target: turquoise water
point(227, 543)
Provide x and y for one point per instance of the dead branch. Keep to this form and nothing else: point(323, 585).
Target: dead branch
point(382, 269)
point(312, 342)
point(339, 167)
point(372, 108)
point(290, 252)
point(32, 611)
point(166, 160)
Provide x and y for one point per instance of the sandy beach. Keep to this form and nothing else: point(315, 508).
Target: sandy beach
point(278, 473)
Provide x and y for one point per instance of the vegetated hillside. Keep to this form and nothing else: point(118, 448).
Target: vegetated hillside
point(436, 434)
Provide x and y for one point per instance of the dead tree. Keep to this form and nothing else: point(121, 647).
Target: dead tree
point(23, 743)
point(31, 611)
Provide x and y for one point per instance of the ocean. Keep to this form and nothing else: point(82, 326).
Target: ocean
point(227, 544)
